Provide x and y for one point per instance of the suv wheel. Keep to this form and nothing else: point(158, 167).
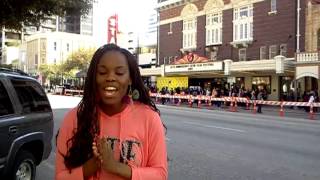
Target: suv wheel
point(24, 166)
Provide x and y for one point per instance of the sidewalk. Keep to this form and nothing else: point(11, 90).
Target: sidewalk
point(266, 110)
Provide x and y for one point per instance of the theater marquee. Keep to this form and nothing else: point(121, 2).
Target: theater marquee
point(197, 67)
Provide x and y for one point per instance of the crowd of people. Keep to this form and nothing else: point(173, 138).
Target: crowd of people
point(252, 94)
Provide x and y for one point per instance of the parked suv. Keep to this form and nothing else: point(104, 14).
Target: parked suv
point(26, 125)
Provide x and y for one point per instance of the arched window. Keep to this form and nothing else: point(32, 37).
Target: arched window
point(189, 16)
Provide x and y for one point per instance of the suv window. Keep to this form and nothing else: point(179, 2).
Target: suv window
point(5, 105)
point(31, 96)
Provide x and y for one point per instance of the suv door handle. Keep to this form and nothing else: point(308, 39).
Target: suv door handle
point(13, 129)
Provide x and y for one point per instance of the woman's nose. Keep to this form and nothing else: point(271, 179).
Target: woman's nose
point(110, 78)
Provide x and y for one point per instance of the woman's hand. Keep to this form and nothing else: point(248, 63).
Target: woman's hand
point(102, 150)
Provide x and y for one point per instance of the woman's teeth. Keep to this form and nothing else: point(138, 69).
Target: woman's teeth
point(110, 91)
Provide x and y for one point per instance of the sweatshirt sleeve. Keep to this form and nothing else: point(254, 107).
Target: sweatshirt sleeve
point(65, 133)
point(156, 168)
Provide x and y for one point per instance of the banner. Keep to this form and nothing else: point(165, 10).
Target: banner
point(172, 82)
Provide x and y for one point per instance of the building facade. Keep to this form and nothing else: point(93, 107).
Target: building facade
point(74, 22)
point(53, 48)
point(224, 44)
point(308, 61)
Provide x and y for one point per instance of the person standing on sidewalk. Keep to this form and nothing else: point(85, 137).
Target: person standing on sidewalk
point(311, 99)
point(115, 132)
point(260, 97)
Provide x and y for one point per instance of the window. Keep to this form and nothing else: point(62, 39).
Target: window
point(272, 51)
point(263, 52)
point(214, 29)
point(170, 29)
point(165, 60)
point(189, 33)
point(31, 96)
point(242, 54)
point(5, 105)
point(243, 23)
point(273, 5)
point(36, 59)
point(55, 46)
point(68, 47)
point(283, 50)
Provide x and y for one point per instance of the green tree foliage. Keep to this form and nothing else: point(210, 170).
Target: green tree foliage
point(52, 72)
point(78, 60)
point(46, 70)
point(16, 13)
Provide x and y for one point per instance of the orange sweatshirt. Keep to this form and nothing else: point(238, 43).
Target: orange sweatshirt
point(137, 138)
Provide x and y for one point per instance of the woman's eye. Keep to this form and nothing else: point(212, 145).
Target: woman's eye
point(120, 74)
point(102, 73)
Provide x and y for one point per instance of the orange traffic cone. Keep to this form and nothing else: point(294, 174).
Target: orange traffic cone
point(190, 101)
point(199, 101)
point(210, 102)
point(247, 104)
point(281, 113)
point(254, 107)
point(235, 108)
point(231, 105)
point(179, 101)
point(311, 114)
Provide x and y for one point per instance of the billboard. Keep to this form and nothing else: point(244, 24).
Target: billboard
point(172, 82)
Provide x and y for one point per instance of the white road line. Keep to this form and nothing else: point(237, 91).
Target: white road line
point(167, 139)
point(217, 127)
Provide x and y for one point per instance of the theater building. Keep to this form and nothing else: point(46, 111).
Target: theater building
point(231, 43)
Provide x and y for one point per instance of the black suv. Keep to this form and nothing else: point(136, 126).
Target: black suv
point(26, 125)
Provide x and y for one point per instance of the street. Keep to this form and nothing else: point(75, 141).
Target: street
point(221, 145)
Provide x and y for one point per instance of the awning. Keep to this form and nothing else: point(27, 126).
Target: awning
point(307, 71)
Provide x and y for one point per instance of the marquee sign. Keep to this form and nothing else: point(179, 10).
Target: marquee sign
point(197, 67)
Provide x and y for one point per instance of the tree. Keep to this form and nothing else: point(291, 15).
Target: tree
point(78, 60)
point(16, 13)
point(53, 73)
point(46, 70)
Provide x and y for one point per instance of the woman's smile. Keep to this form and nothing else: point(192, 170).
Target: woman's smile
point(110, 92)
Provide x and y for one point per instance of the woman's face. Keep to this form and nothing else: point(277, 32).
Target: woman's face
point(113, 78)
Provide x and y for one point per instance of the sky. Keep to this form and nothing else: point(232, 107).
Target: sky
point(133, 16)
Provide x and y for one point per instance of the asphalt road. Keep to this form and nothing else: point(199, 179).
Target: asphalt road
point(222, 145)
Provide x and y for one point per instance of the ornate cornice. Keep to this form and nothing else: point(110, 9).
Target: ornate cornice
point(189, 11)
point(213, 6)
point(172, 4)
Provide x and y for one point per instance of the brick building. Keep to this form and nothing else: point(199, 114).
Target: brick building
point(307, 65)
point(224, 44)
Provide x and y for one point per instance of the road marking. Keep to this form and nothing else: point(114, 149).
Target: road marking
point(167, 139)
point(248, 117)
point(217, 127)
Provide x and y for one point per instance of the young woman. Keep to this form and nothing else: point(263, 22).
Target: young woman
point(115, 132)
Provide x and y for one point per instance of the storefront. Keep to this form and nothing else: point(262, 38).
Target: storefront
point(262, 83)
point(287, 88)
